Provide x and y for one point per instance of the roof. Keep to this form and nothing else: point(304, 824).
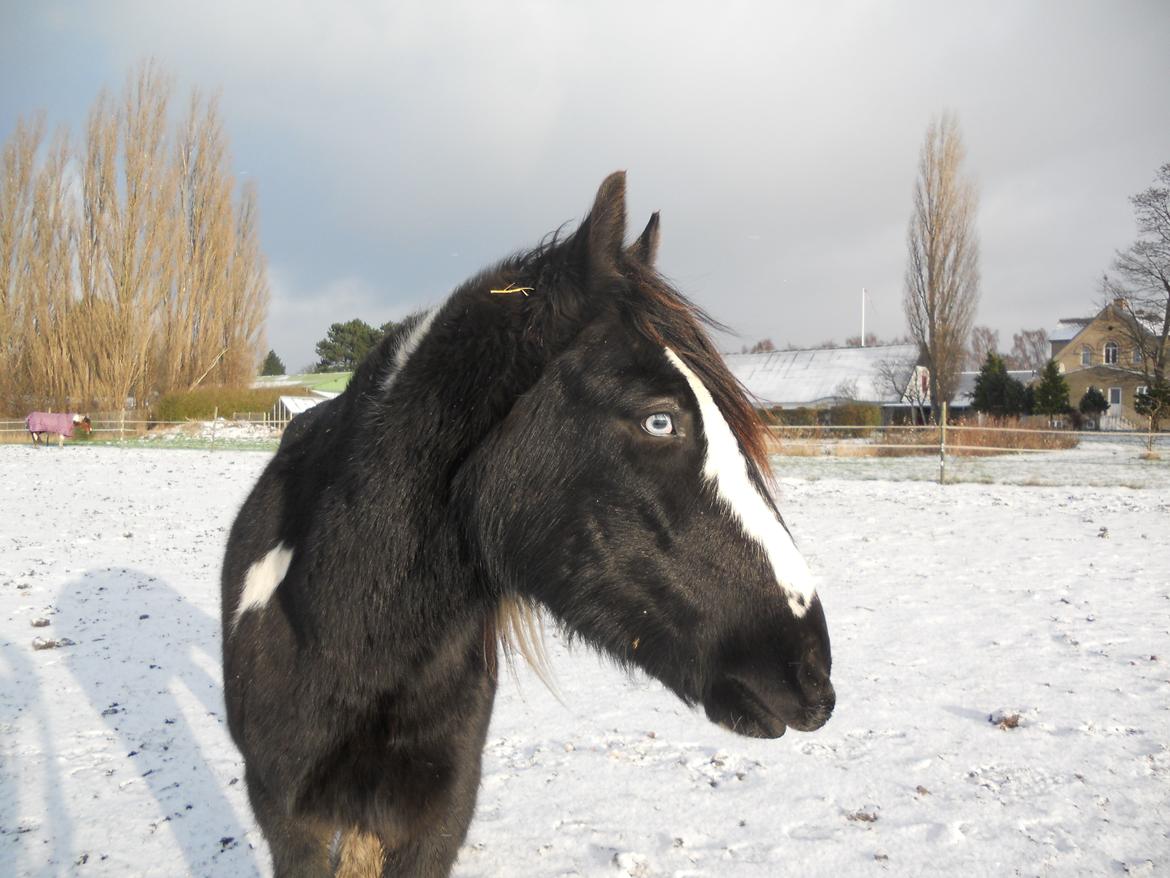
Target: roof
point(1068, 327)
point(816, 377)
point(298, 404)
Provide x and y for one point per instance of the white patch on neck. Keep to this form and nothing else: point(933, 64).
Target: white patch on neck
point(262, 580)
point(726, 468)
point(408, 346)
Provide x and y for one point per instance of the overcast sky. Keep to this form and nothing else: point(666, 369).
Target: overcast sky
point(400, 147)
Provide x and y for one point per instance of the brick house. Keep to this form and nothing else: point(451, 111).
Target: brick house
point(1099, 352)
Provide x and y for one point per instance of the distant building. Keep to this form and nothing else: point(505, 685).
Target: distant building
point(888, 376)
point(1099, 351)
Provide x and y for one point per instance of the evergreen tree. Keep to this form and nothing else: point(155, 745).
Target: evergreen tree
point(1052, 392)
point(1155, 402)
point(1093, 404)
point(996, 392)
point(346, 345)
point(272, 365)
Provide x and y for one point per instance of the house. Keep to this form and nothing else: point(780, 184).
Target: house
point(888, 376)
point(1102, 351)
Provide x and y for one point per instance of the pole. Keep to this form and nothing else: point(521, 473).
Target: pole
point(863, 316)
point(942, 446)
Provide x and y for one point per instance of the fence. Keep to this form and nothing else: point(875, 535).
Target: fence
point(1108, 457)
point(952, 444)
point(132, 426)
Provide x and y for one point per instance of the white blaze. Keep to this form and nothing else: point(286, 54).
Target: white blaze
point(262, 579)
point(408, 346)
point(726, 468)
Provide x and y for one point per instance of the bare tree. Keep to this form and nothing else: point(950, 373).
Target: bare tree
point(855, 341)
point(127, 234)
point(131, 267)
point(1140, 287)
point(942, 272)
point(761, 347)
point(48, 330)
point(984, 341)
point(1030, 350)
point(905, 380)
point(17, 183)
point(247, 296)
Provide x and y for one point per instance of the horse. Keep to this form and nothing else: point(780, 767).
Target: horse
point(40, 424)
point(560, 435)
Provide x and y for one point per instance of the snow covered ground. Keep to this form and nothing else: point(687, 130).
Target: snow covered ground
point(952, 610)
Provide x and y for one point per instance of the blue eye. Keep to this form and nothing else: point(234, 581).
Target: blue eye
point(659, 424)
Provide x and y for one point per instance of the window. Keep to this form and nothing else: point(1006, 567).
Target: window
point(1111, 353)
point(1086, 356)
point(1137, 356)
point(1142, 390)
point(1114, 396)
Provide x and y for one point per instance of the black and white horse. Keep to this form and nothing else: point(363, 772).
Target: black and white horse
point(560, 432)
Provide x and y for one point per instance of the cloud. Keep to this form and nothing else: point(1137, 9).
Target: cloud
point(402, 146)
point(300, 315)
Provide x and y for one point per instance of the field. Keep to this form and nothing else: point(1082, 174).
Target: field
point(1001, 656)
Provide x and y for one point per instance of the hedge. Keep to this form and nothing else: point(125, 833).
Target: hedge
point(202, 403)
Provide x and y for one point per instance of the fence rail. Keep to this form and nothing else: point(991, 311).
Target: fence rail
point(949, 443)
point(108, 426)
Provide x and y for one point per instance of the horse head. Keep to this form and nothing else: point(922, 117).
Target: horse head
point(626, 488)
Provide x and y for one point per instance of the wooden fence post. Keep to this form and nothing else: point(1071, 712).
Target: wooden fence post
point(942, 446)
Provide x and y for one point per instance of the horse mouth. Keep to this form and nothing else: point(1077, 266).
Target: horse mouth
point(740, 708)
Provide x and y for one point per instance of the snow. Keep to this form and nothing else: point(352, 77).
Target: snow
point(952, 609)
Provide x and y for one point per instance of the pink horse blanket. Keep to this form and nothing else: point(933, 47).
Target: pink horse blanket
point(44, 422)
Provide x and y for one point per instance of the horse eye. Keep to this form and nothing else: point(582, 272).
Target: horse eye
point(659, 424)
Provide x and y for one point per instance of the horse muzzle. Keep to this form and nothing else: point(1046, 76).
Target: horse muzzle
point(765, 706)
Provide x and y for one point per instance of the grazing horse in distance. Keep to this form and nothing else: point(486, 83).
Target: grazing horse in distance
point(559, 433)
point(41, 424)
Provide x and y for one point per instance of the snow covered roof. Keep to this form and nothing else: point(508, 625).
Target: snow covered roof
point(1067, 328)
point(298, 404)
point(806, 378)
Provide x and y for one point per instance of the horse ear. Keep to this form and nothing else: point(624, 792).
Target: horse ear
point(605, 227)
point(645, 249)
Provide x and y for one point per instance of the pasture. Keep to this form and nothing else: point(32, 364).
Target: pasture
point(1001, 658)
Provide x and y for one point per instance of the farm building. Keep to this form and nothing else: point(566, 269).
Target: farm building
point(888, 376)
point(321, 386)
point(1101, 351)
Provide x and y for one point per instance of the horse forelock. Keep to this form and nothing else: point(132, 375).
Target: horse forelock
point(666, 318)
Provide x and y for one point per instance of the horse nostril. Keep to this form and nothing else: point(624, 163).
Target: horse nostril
point(816, 689)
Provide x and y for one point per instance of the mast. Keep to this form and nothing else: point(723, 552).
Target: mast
point(863, 316)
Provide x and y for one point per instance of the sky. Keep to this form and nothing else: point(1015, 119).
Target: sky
point(400, 147)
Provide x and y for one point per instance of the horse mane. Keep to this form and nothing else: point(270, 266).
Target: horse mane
point(518, 628)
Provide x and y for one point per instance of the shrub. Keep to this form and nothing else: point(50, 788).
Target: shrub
point(797, 417)
point(855, 414)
